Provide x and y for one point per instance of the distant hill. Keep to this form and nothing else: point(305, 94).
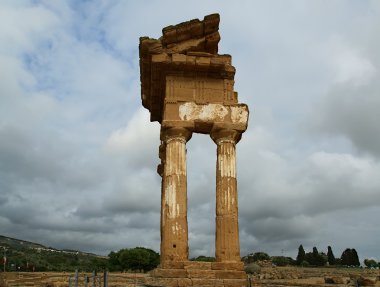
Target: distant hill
point(9, 242)
point(17, 243)
point(28, 256)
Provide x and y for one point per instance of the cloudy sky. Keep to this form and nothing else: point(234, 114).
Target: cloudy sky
point(78, 154)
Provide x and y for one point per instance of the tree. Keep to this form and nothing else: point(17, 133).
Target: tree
point(134, 259)
point(315, 258)
point(370, 263)
point(355, 258)
point(319, 259)
point(305, 263)
point(98, 264)
point(330, 256)
point(138, 258)
point(301, 255)
point(350, 257)
point(338, 261)
point(260, 256)
point(113, 261)
point(346, 257)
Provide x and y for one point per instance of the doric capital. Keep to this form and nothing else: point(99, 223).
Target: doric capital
point(182, 134)
point(225, 135)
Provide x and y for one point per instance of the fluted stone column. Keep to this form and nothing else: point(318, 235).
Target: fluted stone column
point(227, 246)
point(174, 230)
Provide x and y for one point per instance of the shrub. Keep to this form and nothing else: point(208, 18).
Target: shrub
point(301, 255)
point(283, 261)
point(305, 263)
point(370, 263)
point(252, 268)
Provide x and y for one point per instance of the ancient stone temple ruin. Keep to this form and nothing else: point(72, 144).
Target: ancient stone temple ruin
point(189, 88)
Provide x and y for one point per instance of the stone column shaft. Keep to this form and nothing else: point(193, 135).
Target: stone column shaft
point(174, 230)
point(227, 246)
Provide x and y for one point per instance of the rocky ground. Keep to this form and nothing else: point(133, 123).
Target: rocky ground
point(298, 276)
point(266, 276)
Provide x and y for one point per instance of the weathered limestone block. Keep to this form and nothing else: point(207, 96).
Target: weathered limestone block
point(199, 273)
point(203, 118)
point(336, 280)
point(189, 47)
point(199, 89)
point(161, 282)
point(235, 282)
point(169, 273)
point(184, 282)
point(172, 264)
point(239, 266)
point(191, 30)
point(366, 281)
point(230, 274)
point(207, 282)
point(197, 265)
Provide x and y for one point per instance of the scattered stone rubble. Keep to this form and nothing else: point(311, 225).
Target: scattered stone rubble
point(298, 276)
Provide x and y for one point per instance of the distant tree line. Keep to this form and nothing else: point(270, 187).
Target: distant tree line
point(262, 256)
point(144, 259)
point(315, 258)
point(32, 260)
point(349, 257)
point(29, 260)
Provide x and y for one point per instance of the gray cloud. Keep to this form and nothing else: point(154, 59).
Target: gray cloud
point(78, 155)
point(351, 111)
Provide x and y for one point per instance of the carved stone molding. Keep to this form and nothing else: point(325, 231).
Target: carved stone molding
point(179, 133)
point(225, 135)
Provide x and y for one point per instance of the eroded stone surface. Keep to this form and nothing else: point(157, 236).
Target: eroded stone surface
point(188, 87)
point(182, 52)
point(236, 114)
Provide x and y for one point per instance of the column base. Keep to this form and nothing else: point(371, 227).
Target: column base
point(198, 274)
